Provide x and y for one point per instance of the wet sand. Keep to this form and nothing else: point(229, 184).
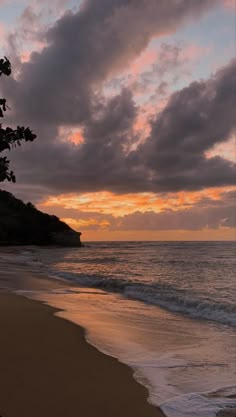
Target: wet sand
point(227, 413)
point(47, 369)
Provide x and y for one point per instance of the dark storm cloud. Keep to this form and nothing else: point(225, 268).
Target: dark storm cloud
point(172, 158)
point(195, 118)
point(62, 86)
point(97, 164)
point(191, 219)
point(57, 85)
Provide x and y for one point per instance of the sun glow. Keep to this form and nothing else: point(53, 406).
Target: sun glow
point(122, 204)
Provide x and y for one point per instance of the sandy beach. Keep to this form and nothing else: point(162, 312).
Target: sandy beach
point(47, 369)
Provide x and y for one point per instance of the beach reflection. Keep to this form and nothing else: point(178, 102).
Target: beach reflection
point(172, 355)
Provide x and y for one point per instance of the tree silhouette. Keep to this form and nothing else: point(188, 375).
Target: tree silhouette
point(9, 137)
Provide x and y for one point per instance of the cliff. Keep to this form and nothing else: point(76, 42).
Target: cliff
point(23, 224)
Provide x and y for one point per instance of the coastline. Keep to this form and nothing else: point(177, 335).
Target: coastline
point(25, 279)
point(49, 370)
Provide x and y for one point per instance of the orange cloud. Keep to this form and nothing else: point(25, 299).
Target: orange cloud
point(25, 56)
point(87, 224)
point(73, 135)
point(76, 137)
point(104, 202)
point(167, 235)
point(103, 215)
point(119, 205)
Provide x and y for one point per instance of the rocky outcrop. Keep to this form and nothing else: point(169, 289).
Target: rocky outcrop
point(23, 224)
point(66, 238)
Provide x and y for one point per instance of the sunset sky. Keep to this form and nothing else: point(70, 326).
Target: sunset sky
point(134, 107)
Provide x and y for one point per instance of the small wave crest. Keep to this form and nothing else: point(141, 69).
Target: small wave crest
point(165, 296)
point(94, 281)
point(181, 302)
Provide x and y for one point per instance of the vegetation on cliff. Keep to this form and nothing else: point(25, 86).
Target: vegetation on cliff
point(23, 224)
point(9, 137)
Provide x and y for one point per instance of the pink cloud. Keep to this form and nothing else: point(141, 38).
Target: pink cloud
point(2, 30)
point(193, 52)
point(3, 33)
point(225, 150)
point(25, 56)
point(231, 4)
point(146, 59)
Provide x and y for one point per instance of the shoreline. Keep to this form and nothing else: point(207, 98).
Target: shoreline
point(20, 276)
point(48, 369)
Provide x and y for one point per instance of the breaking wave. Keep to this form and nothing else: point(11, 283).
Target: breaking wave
point(166, 296)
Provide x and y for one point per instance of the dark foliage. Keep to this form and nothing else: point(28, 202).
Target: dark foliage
point(23, 224)
point(5, 66)
point(10, 137)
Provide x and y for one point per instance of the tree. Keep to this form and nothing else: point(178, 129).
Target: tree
point(9, 137)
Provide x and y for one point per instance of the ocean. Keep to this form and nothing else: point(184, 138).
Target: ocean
point(167, 309)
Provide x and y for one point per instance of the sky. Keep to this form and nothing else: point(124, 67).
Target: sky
point(133, 104)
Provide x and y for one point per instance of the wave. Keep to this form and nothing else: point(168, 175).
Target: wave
point(201, 404)
point(165, 296)
point(99, 260)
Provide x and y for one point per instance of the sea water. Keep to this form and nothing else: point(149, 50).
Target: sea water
point(167, 309)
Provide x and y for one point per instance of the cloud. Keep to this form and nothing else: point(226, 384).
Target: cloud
point(64, 166)
point(61, 88)
point(194, 120)
point(123, 204)
point(84, 48)
point(172, 158)
point(229, 4)
point(169, 59)
point(206, 212)
point(167, 63)
point(192, 219)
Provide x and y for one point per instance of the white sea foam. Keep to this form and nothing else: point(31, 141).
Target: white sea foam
point(200, 404)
